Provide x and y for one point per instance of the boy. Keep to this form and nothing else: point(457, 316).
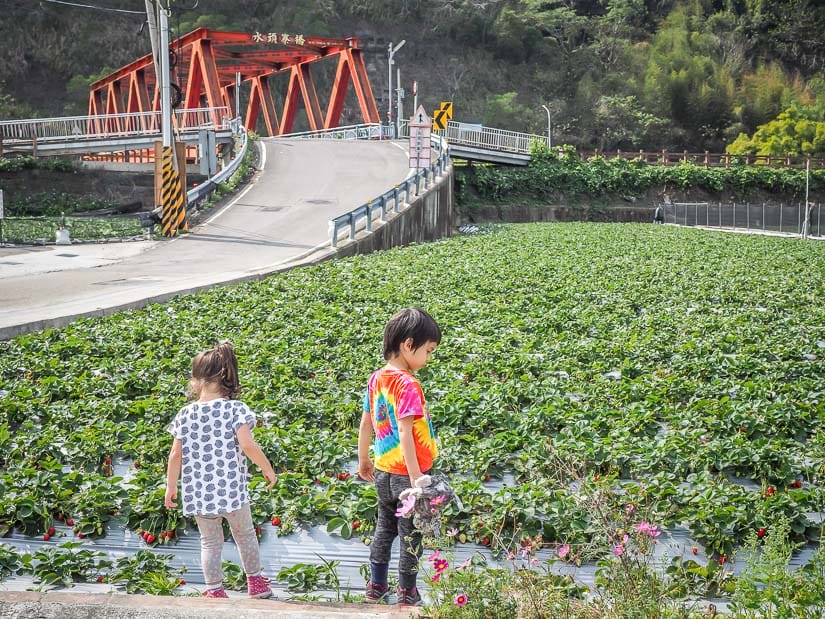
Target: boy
point(396, 412)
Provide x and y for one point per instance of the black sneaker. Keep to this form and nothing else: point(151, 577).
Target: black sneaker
point(377, 594)
point(409, 597)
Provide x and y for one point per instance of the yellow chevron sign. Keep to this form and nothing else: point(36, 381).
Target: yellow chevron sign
point(443, 114)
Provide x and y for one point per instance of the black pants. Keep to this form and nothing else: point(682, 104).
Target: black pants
point(389, 526)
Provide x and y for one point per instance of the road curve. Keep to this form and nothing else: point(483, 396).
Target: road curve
point(281, 216)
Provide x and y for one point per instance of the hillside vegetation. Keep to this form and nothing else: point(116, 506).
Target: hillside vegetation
point(692, 74)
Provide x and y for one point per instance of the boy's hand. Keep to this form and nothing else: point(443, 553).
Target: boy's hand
point(271, 478)
point(169, 499)
point(366, 470)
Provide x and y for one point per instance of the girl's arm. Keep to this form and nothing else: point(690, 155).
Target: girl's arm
point(256, 454)
point(366, 469)
point(173, 474)
point(405, 430)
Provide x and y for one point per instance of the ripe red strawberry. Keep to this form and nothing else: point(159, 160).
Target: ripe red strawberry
point(695, 550)
point(486, 541)
point(258, 530)
point(595, 478)
point(51, 531)
point(108, 460)
point(81, 535)
point(170, 534)
point(276, 522)
point(722, 560)
point(481, 523)
point(46, 537)
point(151, 539)
point(356, 524)
point(137, 464)
point(796, 484)
point(100, 579)
point(60, 517)
point(486, 478)
point(770, 492)
point(69, 522)
point(181, 581)
point(761, 532)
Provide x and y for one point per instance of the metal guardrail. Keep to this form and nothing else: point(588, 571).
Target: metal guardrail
point(107, 125)
point(392, 199)
point(202, 191)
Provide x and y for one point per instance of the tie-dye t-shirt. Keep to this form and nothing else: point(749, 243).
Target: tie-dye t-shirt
point(392, 395)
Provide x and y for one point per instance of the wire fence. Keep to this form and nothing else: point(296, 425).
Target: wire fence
point(780, 218)
point(44, 230)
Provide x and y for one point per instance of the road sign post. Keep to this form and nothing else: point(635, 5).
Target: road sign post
point(420, 127)
point(442, 115)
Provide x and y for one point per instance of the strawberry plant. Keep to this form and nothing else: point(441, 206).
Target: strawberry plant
point(145, 572)
point(65, 564)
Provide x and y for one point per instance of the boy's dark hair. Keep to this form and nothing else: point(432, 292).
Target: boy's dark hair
point(220, 366)
point(414, 323)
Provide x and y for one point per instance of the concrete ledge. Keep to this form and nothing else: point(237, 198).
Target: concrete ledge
point(64, 605)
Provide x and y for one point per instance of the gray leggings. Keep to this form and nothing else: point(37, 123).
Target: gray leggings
point(389, 526)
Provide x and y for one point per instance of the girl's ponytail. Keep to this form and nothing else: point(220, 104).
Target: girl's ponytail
point(218, 365)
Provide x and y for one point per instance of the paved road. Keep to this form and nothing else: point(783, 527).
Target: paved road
point(281, 216)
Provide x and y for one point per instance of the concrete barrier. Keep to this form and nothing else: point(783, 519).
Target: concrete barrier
point(429, 216)
point(64, 605)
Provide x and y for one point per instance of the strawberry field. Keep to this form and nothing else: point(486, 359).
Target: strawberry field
point(679, 371)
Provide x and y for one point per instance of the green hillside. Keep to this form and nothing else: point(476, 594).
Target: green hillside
point(628, 74)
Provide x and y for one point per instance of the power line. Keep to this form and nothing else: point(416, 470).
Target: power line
point(99, 8)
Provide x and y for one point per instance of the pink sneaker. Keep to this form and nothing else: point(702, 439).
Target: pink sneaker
point(215, 593)
point(258, 587)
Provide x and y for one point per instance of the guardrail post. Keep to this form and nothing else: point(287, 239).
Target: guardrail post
point(395, 198)
point(333, 233)
point(369, 215)
point(383, 209)
point(417, 184)
point(407, 191)
point(351, 227)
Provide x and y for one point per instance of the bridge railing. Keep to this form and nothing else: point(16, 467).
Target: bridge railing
point(108, 125)
point(472, 135)
point(392, 199)
point(366, 131)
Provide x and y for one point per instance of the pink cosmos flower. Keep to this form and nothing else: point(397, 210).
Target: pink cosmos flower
point(460, 599)
point(618, 550)
point(465, 564)
point(440, 565)
point(534, 562)
point(625, 538)
point(436, 577)
point(563, 550)
point(407, 506)
point(525, 552)
point(436, 501)
point(646, 528)
point(629, 509)
point(452, 532)
point(434, 556)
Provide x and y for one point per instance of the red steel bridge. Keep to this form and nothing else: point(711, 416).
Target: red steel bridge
point(207, 62)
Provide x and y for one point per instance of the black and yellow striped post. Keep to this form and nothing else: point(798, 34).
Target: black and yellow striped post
point(173, 208)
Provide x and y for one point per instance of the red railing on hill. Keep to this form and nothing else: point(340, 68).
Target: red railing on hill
point(709, 160)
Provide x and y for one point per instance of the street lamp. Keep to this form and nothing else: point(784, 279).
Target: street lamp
point(549, 128)
point(391, 52)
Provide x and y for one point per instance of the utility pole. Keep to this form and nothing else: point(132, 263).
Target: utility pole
point(165, 88)
point(806, 225)
point(152, 22)
point(390, 53)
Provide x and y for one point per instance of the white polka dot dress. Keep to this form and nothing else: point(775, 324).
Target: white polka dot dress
point(214, 476)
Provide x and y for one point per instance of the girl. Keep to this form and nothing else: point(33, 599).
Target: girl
point(211, 437)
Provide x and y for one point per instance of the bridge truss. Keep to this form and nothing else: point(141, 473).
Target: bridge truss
point(207, 62)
